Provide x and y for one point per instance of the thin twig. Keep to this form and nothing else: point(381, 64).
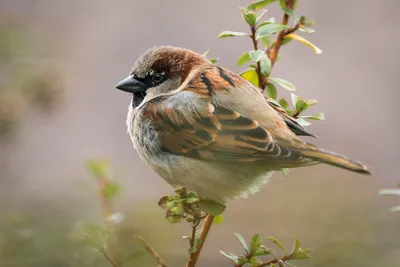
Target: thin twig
point(151, 251)
point(108, 257)
point(261, 82)
point(274, 53)
point(205, 229)
point(276, 260)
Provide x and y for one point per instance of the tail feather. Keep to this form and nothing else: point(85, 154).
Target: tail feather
point(335, 159)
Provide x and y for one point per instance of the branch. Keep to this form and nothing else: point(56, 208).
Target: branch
point(261, 80)
point(109, 258)
point(276, 260)
point(203, 236)
point(152, 252)
point(274, 53)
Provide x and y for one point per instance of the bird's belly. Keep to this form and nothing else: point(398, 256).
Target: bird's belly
point(214, 180)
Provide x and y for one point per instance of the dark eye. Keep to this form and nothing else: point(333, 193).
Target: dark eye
point(157, 77)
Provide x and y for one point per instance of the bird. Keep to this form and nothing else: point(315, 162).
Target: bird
point(203, 127)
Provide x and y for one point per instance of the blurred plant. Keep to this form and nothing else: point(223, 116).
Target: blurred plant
point(26, 82)
point(391, 192)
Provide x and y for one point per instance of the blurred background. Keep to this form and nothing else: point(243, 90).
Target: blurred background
point(59, 62)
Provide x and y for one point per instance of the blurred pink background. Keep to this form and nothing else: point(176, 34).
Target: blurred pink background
point(91, 45)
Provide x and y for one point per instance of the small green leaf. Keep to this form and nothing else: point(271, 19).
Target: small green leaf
point(251, 76)
point(170, 204)
point(230, 256)
point(266, 41)
point(304, 41)
point(262, 251)
point(301, 105)
point(249, 17)
point(110, 190)
point(283, 103)
point(283, 83)
point(242, 260)
point(290, 12)
point(282, 4)
point(317, 116)
point(276, 243)
point(225, 34)
point(268, 29)
point(286, 40)
point(192, 250)
point(206, 53)
point(265, 64)
point(261, 15)
point(243, 59)
point(242, 242)
point(211, 207)
point(98, 168)
point(218, 219)
point(268, 21)
point(191, 197)
point(271, 90)
point(186, 237)
point(303, 122)
point(260, 4)
point(255, 243)
point(294, 98)
point(255, 261)
point(214, 60)
point(389, 192)
point(311, 102)
point(256, 55)
point(300, 255)
point(285, 172)
point(296, 245)
point(395, 208)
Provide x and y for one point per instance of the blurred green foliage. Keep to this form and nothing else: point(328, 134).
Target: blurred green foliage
point(27, 82)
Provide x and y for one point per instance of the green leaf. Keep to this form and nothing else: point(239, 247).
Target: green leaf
point(256, 55)
point(251, 76)
point(110, 190)
point(242, 260)
point(294, 98)
point(268, 29)
point(395, 208)
point(304, 41)
point(301, 105)
point(265, 64)
point(262, 251)
point(276, 243)
point(285, 172)
point(249, 17)
point(311, 102)
point(214, 60)
point(300, 255)
point(260, 4)
point(283, 83)
point(242, 242)
point(317, 116)
point(98, 168)
point(255, 243)
point(286, 40)
point(389, 192)
point(282, 4)
point(230, 256)
point(243, 59)
point(290, 12)
point(206, 53)
point(225, 34)
point(296, 245)
point(303, 122)
point(211, 207)
point(283, 103)
point(271, 90)
point(191, 197)
point(268, 21)
point(218, 219)
point(255, 261)
point(266, 41)
point(192, 250)
point(261, 15)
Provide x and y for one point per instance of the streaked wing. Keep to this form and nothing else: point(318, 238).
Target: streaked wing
point(215, 133)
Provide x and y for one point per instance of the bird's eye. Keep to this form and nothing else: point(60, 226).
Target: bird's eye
point(157, 77)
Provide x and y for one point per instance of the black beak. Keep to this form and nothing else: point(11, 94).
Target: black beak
point(131, 85)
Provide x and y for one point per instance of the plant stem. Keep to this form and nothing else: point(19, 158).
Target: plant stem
point(261, 81)
point(276, 260)
point(152, 252)
point(205, 229)
point(274, 53)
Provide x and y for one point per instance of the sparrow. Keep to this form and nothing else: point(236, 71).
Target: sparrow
point(203, 127)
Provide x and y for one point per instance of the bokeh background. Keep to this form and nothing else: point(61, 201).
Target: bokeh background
point(59, 62)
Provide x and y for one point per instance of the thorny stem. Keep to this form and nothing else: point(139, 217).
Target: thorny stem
point(205, 229)
point(274, 53)
point(152, 252)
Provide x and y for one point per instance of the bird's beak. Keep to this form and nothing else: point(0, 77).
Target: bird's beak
point(131, 85)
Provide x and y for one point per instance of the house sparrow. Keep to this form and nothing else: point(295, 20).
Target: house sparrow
point(205, 128)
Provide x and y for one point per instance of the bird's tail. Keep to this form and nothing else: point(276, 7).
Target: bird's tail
point(334, 159)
